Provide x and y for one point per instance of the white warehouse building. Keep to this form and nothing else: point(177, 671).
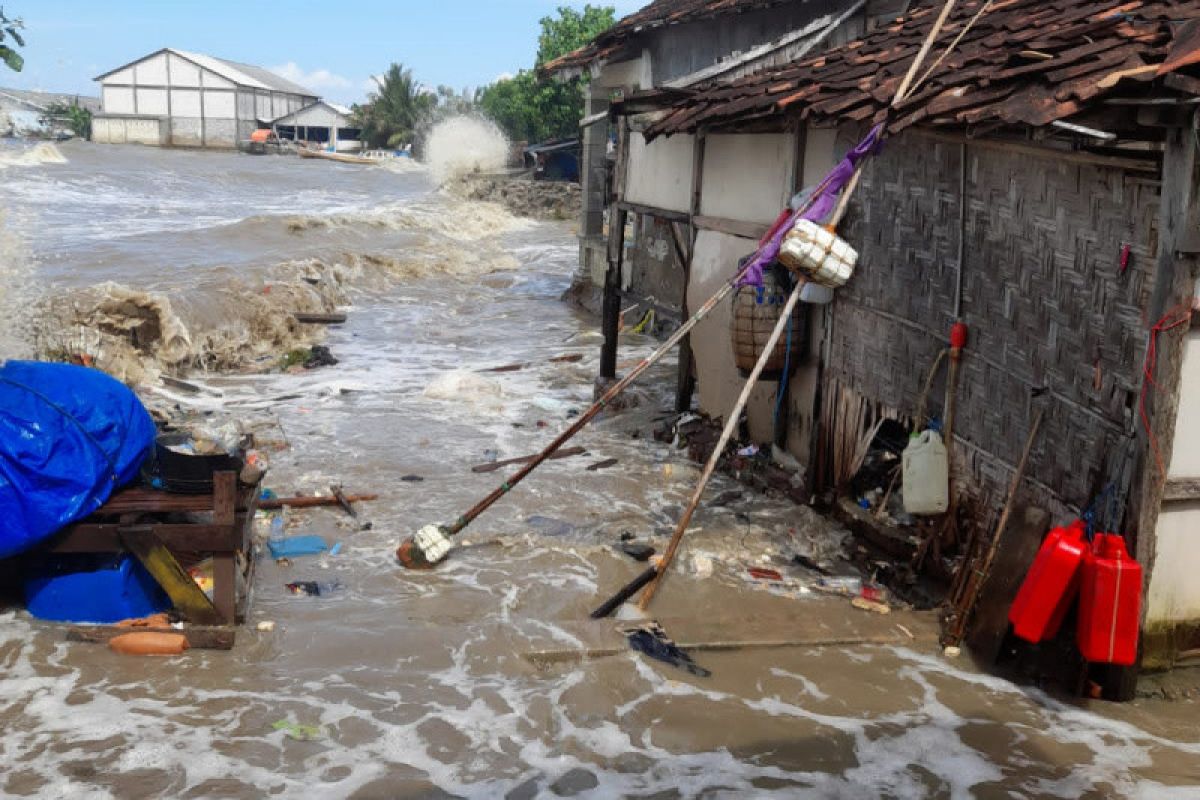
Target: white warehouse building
point(176, 98)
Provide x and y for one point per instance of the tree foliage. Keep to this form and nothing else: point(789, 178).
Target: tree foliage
point(532, 109)
point(10, 31)
point(391, 114)
point(73, 116)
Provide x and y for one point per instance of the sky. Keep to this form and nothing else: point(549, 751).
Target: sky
point(332, 48)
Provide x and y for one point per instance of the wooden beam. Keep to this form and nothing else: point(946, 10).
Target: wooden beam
point(106, 537)
point(733, 227)
point(192, 603)
point(1069, 157)
point(1181, 490)
point(652, 211)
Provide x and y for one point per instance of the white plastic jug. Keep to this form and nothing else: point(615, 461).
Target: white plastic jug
point(926, 475)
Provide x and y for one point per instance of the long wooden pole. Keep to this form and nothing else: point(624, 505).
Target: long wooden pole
point(731, 422)
point(618, 387)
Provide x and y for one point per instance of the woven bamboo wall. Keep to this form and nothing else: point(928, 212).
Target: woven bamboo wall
point(1043, 294)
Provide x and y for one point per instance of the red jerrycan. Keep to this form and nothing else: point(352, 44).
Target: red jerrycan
point(1110, 603)
point(1050, 585)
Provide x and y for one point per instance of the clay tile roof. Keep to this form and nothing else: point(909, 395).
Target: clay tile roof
point(1023, 61)
point(657, 14)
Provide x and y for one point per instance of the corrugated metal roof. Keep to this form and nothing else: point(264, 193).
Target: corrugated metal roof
point(1023, 61)
point(657, 14)
point(246, 75)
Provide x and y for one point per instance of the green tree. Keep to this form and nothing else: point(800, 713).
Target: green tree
point(391, 114)
point(533, 109)
point(73, 116)
point(9, 30)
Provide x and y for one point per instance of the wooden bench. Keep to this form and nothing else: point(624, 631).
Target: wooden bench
point(135, 520)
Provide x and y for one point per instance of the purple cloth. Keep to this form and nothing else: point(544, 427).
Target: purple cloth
point(819, 210)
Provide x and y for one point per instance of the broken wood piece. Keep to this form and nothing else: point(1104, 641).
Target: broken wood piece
point(313, 501)
point(570, 358)
point(605, 464)
point(186, 386)
point(310, 318)
point(192, 603)
point(198, 637)
point(568, 656)
point(495, 465)
point(343, 501)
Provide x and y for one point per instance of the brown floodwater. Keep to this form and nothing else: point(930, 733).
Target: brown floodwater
point(402, 684)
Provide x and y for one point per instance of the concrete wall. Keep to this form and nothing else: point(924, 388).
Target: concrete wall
point(659, 174)
point(129, 130)
point(747, 177)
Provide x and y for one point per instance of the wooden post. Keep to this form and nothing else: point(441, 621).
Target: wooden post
point(611, 306)
point(1174, 283)
point(611, 314)
point(225, 561)
point(685, 381)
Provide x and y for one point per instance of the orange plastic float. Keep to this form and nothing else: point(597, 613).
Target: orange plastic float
point(149, 643)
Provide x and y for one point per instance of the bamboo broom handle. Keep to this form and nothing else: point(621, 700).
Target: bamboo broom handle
point(730, 423)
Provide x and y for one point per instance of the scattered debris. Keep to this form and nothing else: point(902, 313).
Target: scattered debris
point(605, 464)
point(296, 546)
point(312, 501)
point(294, 730)
point(149, 643)
point(319, 356)
point(412, 479)
point(266, 626)
point(763, 574)
point(650, 638)
point(308, 318)
point(312, 588)
point(636, 551)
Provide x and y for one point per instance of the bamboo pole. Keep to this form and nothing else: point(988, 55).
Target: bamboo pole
point(785, 319)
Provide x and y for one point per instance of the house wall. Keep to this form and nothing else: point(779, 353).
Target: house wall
point(1173, 595)
point(747, 177)
point(659, 174)
point(129, 130)
point(1043, 296)
point(677, 50)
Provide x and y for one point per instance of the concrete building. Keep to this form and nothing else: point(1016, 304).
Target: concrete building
point(176, 98)
point(324, 124)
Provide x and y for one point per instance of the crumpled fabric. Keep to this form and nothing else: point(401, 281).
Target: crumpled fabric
point(838, 177)
point(651, 639)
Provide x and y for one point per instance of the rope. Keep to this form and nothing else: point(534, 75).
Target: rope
point(1176, 317)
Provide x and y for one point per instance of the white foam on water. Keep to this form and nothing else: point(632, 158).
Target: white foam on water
point(39, 155)
point(462, 145)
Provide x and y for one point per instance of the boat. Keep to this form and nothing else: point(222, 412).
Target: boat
point(344, 158)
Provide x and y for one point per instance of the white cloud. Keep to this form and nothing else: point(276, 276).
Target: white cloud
point(317, 79)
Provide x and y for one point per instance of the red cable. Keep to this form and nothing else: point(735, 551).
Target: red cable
point(1180, 315)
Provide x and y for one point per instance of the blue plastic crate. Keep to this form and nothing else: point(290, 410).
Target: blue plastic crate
point(87, 588)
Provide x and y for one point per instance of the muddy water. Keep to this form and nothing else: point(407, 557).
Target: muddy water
point(419, 685)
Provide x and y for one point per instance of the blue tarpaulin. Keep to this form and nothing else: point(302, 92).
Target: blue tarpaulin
point(69, 436)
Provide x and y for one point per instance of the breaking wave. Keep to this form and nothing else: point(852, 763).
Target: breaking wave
point(461, 145)
point(36, 156)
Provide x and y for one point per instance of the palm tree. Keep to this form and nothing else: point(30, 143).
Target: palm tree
point(390, 116)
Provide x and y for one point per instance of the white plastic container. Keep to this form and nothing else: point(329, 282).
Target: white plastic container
point(816, 294)
point(926, 475)
point(817, 254)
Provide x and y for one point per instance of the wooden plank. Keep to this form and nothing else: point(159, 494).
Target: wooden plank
point(192, 603)
point(198, 637)
point(566, 452)
point(733, 227)
point(1018, 547)
point(140, 500)
point(106, 538)
point(1179, 490)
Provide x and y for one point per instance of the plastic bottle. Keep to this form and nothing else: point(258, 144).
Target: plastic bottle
point(276, 535)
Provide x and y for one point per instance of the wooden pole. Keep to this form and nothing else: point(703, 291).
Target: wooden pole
point(980, 574)
point(731, 423)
